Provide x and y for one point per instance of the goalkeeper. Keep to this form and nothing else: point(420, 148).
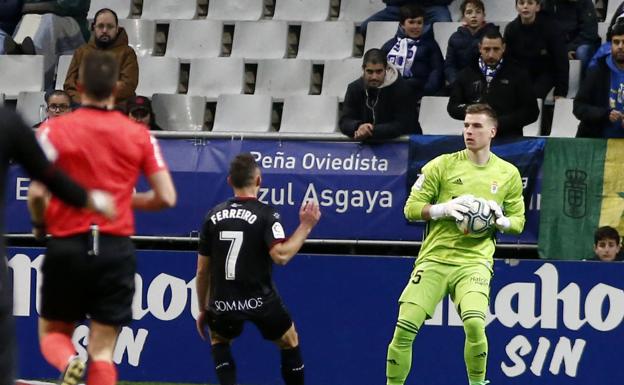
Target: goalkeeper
point(450, 262)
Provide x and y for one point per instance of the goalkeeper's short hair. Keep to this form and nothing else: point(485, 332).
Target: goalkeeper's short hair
point(483, 108)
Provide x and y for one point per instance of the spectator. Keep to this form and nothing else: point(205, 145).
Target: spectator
point(58, 103)
point(463, 45)
point(494, 80)
point(10, 12)
point(107, 36)
point(605, 48)
point(435, 11)
point(418, 60)
point(607, 245)
point(139, 109)
point(378, 105)
point(599, 102)
point(537, 45)
point(579, 24)
point(50, 28)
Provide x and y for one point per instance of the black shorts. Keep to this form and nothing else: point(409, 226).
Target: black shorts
point(271, 319)
point(77, 283)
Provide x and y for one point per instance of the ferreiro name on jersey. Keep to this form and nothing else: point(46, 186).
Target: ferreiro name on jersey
point(243, 214)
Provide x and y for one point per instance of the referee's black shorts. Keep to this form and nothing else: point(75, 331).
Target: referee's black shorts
point(77, 283)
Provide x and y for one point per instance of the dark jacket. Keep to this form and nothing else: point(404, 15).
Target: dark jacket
point(463, 49)
point(510, 94)
point(78, 9)
point(389, 108)
point(428, 66)
point(10, 15)
point(539, 48)
point(591, 104)
point(577, 21)
point(422, 3)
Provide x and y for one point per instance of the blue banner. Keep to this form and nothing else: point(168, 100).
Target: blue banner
point(361, 188)
point(525, 153)
point(556, 323)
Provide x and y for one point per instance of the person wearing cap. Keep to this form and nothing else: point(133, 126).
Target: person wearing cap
point(139, 109)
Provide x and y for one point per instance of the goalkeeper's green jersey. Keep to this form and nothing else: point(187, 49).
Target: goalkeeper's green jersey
point(449, 176)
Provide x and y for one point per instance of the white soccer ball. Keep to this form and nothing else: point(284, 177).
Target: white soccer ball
point(478, 220)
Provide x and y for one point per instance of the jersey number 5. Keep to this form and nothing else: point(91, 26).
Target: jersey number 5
point(236, 241)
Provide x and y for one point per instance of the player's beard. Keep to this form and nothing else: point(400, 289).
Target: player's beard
point(104, 44)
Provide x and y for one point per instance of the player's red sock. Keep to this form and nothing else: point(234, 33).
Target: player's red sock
point(101, 373)
point(57, 349)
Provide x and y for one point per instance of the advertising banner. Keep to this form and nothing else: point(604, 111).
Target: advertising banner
point(557, 323)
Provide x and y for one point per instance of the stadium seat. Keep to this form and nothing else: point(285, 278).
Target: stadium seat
point(283, 77)
point(211, 77)
point(191, 39)
point(326, 40)
point(235, 10)
point(141, 35)
point(564, 124)
point(442, 32)
point(158, 75)
point(435, 120)
point(456, 14)
point(338, 74)
point(1, 99)
point(61, 70)
point(20, 73)
point(169, 10)
point(379, 32)
point(359, 10)
point(260, 40)
point(574, 78)
point(121, 7)
point(500, 10)
point(243, 113)
point(612, 6)
point(176, 112)
point(32, 107)
point(534, 129)
point(603, 28)
point(302, 10)
point(310, 114)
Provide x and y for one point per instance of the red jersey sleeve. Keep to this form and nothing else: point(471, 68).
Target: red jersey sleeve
point(153, 159)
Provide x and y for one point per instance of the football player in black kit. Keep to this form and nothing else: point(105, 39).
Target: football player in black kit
point(240, 240)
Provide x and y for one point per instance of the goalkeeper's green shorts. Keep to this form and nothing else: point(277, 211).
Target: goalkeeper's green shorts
point(431, 281)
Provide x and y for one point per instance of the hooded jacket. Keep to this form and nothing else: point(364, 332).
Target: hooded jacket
point(539, 47)
point(427, 70)
point(510, 94)
point(591, 104)
point(463, 49)
point(391, 108)
point(128, 67)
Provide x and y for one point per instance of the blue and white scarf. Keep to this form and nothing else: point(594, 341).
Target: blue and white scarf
point(488, 71)
point(402, 55)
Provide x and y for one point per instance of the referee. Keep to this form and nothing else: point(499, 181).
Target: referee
point(90, 264)
point(18, 143)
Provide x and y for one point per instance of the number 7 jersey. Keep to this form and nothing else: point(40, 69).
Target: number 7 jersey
point(237, 236)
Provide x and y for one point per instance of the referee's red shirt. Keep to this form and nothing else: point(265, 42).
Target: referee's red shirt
point(102, 150)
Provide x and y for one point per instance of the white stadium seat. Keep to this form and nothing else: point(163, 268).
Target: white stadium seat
point(359, 10)
point(176, 112)
point(61, 70)
point(20, 73)
point(310, 114)
point(32, 107)
point(211, 77)
point(302, 10)
point(158, 74)
point(379, 32)
point(564, 124)
point(235, 10)
point(141, 35)
point(169, 10)
point(121, 7)
point(260, 40)
point(534, 129)
point(502, 10)
point(435, 120)
point(574, 78)
point(191, 39)
point(338, 74)
point(442, 32)
point(326, 40)
point(243, 113)
point(283, 77)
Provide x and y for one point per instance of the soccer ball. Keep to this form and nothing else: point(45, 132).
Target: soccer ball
point(478, 220)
